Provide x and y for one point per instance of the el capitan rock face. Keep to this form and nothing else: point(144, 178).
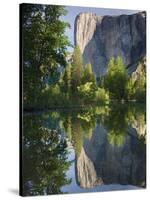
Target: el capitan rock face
point(101, 37)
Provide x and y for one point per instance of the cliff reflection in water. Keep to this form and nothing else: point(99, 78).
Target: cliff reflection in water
point(108, 143)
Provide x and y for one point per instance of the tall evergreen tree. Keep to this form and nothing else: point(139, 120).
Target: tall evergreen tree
point(88, 75)
point(67, 79)
point(76, 72)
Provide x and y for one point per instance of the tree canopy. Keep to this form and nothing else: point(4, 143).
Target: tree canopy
point(116, 78)
point(44, 46)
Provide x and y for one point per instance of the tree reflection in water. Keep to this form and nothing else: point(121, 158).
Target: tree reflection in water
point(44, 157)
point(109, 145)
point(112, 140)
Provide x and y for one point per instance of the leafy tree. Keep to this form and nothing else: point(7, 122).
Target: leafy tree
point(86, 92)
point(50, 96)
point(101, 96)
point(116, 78)
point(44, 47)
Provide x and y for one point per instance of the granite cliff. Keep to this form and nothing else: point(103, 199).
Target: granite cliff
point(101, 37)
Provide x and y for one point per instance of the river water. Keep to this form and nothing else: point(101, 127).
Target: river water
point(84, 150)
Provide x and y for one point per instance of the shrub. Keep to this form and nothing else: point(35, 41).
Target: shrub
point(101, 96)
point(86, 91)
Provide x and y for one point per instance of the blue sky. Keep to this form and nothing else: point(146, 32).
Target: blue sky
point(73, 11)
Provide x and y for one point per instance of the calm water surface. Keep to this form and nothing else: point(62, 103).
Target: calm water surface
point(95, 149)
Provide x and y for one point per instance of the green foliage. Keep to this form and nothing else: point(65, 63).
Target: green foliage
point(66, 80)
point(101, 96)
point(78, 125)
point(66, 124)
point(116, 119)
point(136, 115)
point(116, 123)
point(101, 82)
point(52, 96)
point(136, 88)
point(45, 50)
point(44, 47)
point(130, 89)
point(44, 151)
point(76, 71)
point(140, 89)
point(88, 75)
point(116, 139)
point(77, 135)
point(116, 78)
point(120, 118)
point(86, 91)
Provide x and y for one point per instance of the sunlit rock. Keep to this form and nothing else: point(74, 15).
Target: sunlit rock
point(101, 37)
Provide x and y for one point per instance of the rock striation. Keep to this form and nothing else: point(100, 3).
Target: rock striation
point(101, 37)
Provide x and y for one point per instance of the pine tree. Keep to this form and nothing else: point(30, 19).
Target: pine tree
point(88, 75)
point(67, 79)
point(76, 72)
